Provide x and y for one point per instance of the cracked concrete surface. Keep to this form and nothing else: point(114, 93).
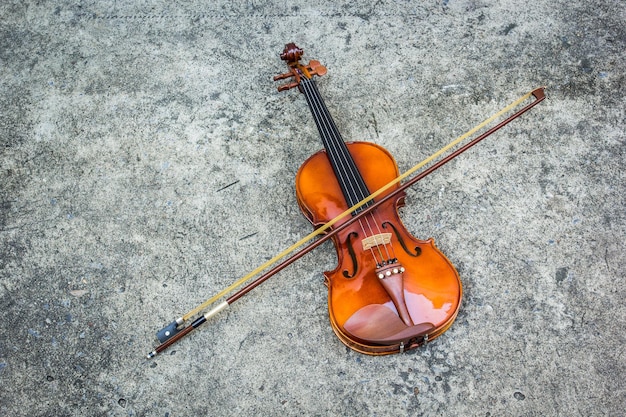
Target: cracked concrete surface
point(147, 162)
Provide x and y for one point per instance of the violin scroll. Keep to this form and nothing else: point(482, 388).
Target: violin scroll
point(292, 55)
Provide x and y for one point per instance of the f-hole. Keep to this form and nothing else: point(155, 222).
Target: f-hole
point(355, 265)
point(418, 250)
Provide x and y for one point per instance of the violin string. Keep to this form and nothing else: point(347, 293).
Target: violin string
point(356, 176)
point(316, 105)
point(342, 151)
point(332, 140)
point(346, 160)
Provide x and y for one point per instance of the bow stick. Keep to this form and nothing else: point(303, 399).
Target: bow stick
point(173, 332)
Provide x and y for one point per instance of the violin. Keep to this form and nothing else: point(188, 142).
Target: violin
point(390, 292)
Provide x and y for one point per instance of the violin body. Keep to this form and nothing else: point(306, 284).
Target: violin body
point(364, 314)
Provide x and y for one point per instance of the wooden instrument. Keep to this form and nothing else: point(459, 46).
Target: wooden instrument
point(390, 291)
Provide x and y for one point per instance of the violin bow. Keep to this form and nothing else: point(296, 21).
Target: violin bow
point(176, 330)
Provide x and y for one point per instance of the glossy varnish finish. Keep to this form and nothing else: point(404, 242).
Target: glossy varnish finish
point(362, 312)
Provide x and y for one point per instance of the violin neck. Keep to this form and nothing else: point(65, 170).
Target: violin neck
point(350, 179)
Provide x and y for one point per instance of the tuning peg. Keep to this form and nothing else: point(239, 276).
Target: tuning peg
point(290, 74)
point(283, 76)
point(316, 68)
point(288, 86)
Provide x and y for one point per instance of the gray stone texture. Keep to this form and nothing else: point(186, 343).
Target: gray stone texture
point(147, 161)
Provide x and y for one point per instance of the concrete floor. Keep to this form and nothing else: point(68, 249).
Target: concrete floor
point(148, 161)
